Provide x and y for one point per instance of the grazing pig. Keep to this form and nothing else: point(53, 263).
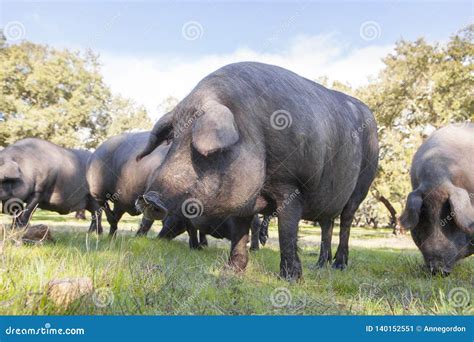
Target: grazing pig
point(46, 176)
point(114, 175)
point(440, 209)
point(252, 138)
point(174, 225)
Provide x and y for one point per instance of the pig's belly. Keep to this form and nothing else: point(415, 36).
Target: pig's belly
point(328, 200)
point(65, 203)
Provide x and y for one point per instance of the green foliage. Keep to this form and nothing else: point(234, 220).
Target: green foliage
point(168, 104)
point(393, 178)
point(126, 116)
point(425, 84)
point(60, 96)
point(52, 94)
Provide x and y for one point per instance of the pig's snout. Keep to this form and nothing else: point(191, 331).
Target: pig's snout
point(438, 267)
point(151, 206)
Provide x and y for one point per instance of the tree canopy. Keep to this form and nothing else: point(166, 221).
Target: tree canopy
point(60, 96)
point(425, 83)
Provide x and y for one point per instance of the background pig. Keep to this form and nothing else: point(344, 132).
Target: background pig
point(252, 138)
point(114, 175)
point(47, 176)
point(440, 209)
point(174, 225)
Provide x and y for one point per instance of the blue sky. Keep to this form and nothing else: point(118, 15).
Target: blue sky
point(146, 38)
point(155, 27)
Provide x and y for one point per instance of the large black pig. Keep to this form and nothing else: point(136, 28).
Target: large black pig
point(440, 209)
point(46, 176)
point(253, 138)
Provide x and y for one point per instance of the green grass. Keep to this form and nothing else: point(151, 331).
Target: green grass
point(148, 276)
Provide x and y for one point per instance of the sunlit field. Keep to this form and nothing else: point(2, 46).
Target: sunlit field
point(146, 276)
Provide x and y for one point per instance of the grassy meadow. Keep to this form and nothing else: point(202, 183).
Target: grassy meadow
point(145, 276)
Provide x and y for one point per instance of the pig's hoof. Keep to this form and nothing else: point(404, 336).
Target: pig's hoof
point(339, 265)
point(322, 263)
point(291, 273)
point(254, 248)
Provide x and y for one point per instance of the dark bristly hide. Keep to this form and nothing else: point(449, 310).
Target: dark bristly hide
point(253, 138)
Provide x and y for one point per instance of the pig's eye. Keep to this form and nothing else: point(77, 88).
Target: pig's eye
point(11, 180)
point(7, 184)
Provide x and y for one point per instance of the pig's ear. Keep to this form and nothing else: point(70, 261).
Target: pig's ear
point(10, 170)
point(215, 129)
point(411, 214)
point(462, 209)
point(162, 131)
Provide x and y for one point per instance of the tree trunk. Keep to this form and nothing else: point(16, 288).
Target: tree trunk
point(397, 229)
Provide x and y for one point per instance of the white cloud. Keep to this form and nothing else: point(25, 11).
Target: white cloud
point(150, 80)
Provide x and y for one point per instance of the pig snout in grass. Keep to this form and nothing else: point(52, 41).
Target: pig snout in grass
point(440, 209)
